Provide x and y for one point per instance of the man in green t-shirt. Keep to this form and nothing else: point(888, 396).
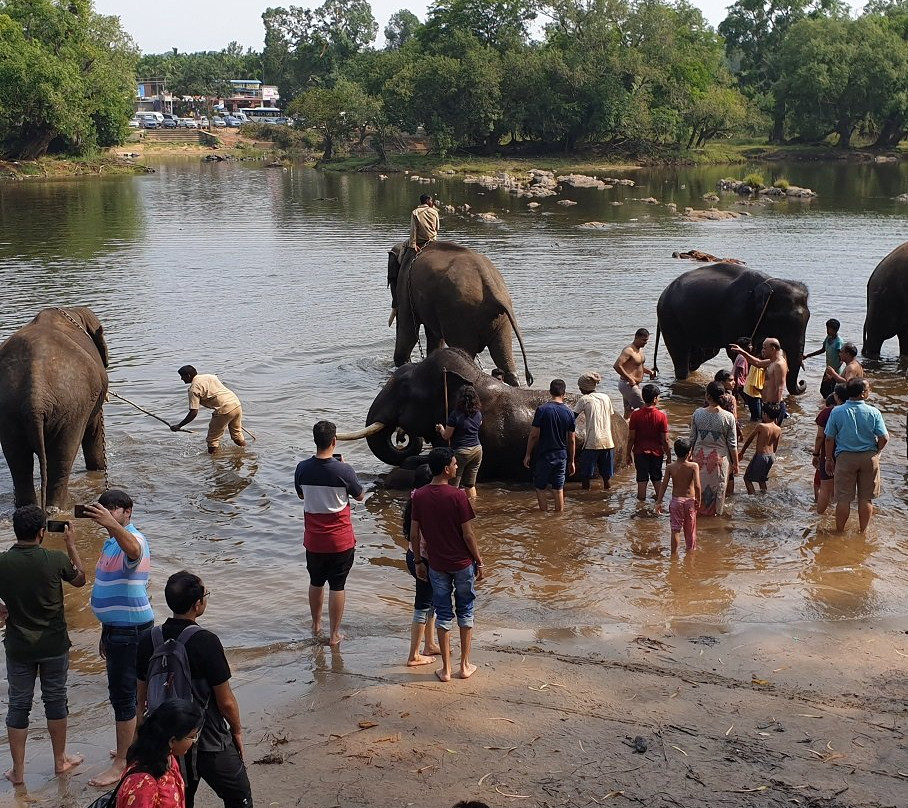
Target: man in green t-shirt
point(36, 639)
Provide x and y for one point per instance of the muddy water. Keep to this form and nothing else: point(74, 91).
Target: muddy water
point(274, 280)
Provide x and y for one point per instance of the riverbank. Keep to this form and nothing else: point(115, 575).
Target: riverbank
point(56, 167)
point(688, 714)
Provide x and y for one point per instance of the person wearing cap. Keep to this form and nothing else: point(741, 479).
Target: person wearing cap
point(598, 446)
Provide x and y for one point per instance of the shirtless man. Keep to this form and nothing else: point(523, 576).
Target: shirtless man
point(776, 367)
point(849, 369)
point(630, 368)
point(767, 436)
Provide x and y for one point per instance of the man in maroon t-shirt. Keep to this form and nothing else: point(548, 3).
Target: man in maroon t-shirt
point(442, 514)
point(647, 440)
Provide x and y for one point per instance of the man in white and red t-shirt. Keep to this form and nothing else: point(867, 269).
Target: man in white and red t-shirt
point(325, 484)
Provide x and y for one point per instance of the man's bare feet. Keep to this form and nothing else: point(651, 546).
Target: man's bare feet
point(110, 776)
point(16, 778)
point(419, 659)
point(68, 763)
point(443, 675)
point(335, 639)
point(316, 629)
point(466, 671)
point(428, 650)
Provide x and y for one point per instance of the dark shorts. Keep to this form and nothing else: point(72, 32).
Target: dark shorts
point(225, 773)
point(593, 459)
point(422, 601)
point(21, 677)
point(332, 568)
point(121, 643)
point(758, 468)
point(550, 470)
point(649, 467)
point(822, 473)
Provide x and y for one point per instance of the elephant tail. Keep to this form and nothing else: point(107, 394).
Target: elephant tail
point(41, 451)
point(656, 349)
point(523, 353)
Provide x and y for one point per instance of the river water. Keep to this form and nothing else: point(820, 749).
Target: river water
point(275, 280)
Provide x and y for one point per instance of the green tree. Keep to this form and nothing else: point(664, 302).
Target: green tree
point(498, 24)
point(401, 28)
point(67, 78)
point(334, 112)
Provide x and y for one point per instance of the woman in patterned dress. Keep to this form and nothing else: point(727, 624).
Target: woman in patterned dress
point(714, 448)
point(152, 778)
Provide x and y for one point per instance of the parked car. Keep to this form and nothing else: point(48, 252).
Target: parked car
point(233, 123)
point(284, 121)
point(150, 123)
point(170, 117)
point(189, 123)
point(203, 121)
point(218, 123)
point(169, 123)
point(134, 123)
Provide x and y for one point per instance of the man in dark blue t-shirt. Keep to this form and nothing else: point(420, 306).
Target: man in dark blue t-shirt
point(552, 436)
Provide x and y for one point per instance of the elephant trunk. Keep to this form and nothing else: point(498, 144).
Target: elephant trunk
point(367, 432)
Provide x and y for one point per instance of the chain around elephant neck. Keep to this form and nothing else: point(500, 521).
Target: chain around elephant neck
point(82, 328)
point(765, 306)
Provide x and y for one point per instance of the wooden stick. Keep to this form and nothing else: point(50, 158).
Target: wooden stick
point(444, 377)
point(249, 434)
point(142, 409)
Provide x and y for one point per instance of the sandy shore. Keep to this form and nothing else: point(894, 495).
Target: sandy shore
point(809, 714)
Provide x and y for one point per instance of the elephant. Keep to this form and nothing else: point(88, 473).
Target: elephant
point(413, 400)
point(53, 384)
point(460, 298)
point(707, 308)
point(887, 304)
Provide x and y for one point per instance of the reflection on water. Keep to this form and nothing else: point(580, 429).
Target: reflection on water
point(275, 280)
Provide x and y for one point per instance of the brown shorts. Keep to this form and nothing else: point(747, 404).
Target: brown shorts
point(857, 471)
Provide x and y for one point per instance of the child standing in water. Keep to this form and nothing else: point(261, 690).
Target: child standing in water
point(684, 475)
point(767, 434)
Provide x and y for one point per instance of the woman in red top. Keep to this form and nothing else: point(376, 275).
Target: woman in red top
point(152, 778)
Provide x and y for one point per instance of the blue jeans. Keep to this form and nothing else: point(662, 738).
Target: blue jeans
point(422, 601)
point(21, 677)
point(460, 584)
point(120, 646)
point(755, 405)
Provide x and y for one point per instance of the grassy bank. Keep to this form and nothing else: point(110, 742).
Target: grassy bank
point(54, 167)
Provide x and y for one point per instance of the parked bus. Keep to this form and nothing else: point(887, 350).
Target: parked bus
point(262, 114)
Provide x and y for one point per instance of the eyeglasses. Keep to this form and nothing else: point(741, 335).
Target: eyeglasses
point(207, 593)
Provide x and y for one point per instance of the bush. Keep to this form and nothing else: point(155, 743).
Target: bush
point(782, 184)
point(754, 180)
point(284, 137)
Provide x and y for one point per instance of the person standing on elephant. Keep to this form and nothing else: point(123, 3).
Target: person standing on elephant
point(119, 599)
point(462, 433)
point(598, 446)
point(36, 637)
point(207, 390)
point(630, 368)
point(714, 448)
point(775, 366)
point(552, 436)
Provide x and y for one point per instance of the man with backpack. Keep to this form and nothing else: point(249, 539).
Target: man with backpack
point(180, 659)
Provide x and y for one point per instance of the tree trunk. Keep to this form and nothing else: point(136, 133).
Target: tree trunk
point(777, 135)
point(892, 132)
point(329, 148)
point(843, 129)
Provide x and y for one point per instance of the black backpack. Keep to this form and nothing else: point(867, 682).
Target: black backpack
point(168, 674)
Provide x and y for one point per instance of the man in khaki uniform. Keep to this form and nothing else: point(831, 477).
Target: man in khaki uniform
point(207, 390)
point(424, 223)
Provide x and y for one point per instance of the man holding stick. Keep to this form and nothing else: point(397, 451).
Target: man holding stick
point(207, 390)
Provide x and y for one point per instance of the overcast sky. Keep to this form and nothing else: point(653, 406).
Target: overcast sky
point(211, 24)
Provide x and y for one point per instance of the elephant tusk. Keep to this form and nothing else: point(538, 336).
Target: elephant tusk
point(370, 430)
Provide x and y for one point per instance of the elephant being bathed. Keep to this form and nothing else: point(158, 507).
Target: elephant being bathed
point(53, 382)
point(413, 401)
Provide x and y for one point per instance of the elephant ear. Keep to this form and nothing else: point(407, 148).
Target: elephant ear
point(397, 251)
point(90, 322)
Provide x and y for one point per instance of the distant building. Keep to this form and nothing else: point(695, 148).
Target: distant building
point(251, 93)
point(152, 96)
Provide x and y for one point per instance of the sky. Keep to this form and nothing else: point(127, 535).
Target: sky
point(211, 24)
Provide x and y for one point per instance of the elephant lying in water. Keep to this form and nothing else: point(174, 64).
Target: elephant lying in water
point(887, 304)
point(413, 400)
point(53, 382)
point(460, 298)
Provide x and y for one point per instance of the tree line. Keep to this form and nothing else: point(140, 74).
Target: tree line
point(636, 76)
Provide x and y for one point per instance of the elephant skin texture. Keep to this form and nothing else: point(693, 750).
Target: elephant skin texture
point(887, 304)
point(704, 310)
point(460, 298)
point(413, 400)
point(53, 383)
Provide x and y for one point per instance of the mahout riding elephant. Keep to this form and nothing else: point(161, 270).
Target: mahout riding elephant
point(460, 298)
point(53, 383)
point(702, 311)
point(403, 415)
point(887, 304)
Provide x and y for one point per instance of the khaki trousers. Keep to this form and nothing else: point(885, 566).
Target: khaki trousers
point(233, 421)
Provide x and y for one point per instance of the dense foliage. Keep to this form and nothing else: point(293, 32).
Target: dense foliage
point(67, 78)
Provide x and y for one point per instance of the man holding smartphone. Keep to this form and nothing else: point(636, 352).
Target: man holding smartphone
point(325, 484)
point(36, 638)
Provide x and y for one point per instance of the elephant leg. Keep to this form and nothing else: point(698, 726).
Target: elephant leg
point(93, 441)
point(20, 458)
point(433, 342)
point(681, 358)
point(502, 351)
point(903, 342)
point(61, 454)
point(407, 335)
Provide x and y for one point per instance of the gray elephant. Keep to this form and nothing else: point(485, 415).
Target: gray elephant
point(702, 311)
point(53, 383)
point(403, 415)
point(887, 304)
point(460, 298)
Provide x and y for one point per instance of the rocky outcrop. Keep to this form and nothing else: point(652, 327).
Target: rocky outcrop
point(566, 202)
point(490, 218)
point(902, 198)
point(711, 215)
point(739, 187)
point(699, 255)
point(594, 226)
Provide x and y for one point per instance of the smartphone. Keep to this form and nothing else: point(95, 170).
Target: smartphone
point(338, 456)
point(55, 526)
point(79, 512)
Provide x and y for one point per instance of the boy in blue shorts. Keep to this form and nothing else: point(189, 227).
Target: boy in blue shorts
point(552, 436)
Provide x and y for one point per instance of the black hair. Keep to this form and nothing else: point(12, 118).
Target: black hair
point(324, 433)
point(722, 376)
point(439, 459)
point(772, 409)
point(28, 522)
point(115, 498)
point(150, 751)
point(468, 400)
point(641, 332)
point(183, 591)
point(188, 370)
point(682, 448)
point(855, 388)
point(557, 388)
point(830, 400)
point(745, 343)
point(715, 391)
point(650, 393)
point(840, 391)
point(850, 347)
point(422, 476)
point(833, 323)
point(424, 198)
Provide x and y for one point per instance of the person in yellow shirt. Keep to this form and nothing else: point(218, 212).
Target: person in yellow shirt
point(207, 390)
point(424, 223)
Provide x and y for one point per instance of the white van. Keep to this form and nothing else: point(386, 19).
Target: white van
point(157, 117)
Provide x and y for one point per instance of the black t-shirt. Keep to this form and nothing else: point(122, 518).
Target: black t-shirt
point(208, 667)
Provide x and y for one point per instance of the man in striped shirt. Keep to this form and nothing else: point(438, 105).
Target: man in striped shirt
point(119, 599)
point(325, 484)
